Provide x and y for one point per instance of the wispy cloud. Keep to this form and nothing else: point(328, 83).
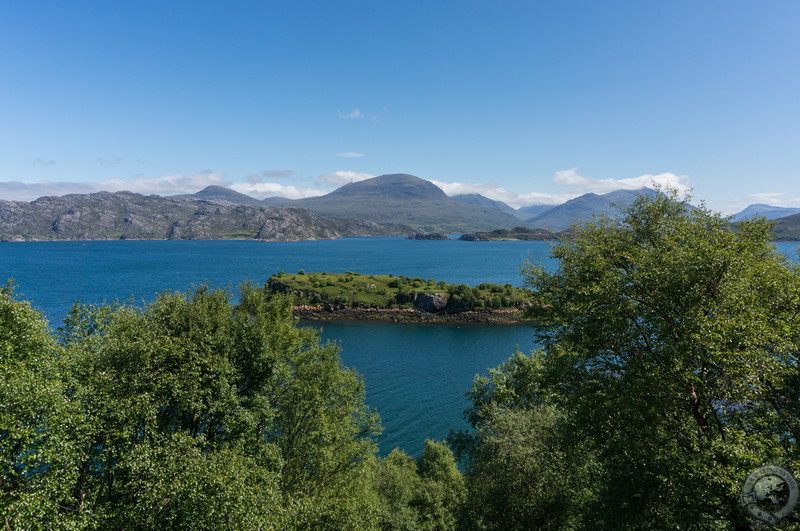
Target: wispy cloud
point(350, 155)
point(338, 178)
point(269, 175)
point(352, 115)
point(43, 161)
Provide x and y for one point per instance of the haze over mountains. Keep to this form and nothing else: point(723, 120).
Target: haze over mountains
point(395, 204)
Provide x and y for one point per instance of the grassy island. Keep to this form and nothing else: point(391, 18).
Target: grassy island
point(355, 296)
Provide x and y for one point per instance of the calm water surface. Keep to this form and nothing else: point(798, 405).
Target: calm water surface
point(415, 374)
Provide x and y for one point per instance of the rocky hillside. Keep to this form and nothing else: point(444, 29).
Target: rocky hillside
point(125, 215)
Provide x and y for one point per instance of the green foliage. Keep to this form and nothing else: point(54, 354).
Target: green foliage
point(668, 371)
point(189, 413)
point(387, 291)
point(426, 494)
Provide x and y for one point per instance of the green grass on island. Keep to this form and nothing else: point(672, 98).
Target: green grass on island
point(353, 290)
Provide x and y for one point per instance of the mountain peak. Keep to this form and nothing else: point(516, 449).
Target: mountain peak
point(398, 185)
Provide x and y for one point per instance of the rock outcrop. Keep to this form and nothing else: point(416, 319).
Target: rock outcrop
point(431, 302)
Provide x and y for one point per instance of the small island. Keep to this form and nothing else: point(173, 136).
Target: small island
point(357, 297)
point(517, 233)
point(427, 236)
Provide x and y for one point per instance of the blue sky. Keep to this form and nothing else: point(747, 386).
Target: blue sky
point(527, 102)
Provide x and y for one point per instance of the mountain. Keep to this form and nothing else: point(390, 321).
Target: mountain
point(220, 193)
point(483, 201)
point(584, 207)
point(125, 215)
point(768, 211)
point(406, 199)
point(531, 211)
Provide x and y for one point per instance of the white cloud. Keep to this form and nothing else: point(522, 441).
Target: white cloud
point(263, 190)
point(350, 155)
point(580, 185)
point(262, 185)
point(583, 185)
point(19, 191)
point(575, 184)
point(339, 178)
point(269, 174)
point(778, 199)
point(352, 115)
point(167, 185)
point(498, 193)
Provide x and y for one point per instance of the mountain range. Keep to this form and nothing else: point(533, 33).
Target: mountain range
point(410, 200)
point(395, 204)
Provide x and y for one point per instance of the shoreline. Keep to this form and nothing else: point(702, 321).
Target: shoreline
point(407, 315)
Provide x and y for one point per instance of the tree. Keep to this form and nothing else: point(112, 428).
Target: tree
point(522, 473)
point(35, 422)
point(422, 494)
point(670, 339)
point(668, 370)
point(191, 412)
point(443, 489)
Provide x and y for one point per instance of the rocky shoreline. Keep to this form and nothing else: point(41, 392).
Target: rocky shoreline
point(405, 315)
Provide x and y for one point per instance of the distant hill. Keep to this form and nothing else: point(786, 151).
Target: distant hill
point(787, 228)
point(768, 211)
point(220, 193)
point(277, 201)
point(483, 201)
point(583, 208)
point(531, 211)
point(405, 199)
point(125, 215)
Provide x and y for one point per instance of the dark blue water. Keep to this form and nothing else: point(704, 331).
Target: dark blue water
point(52, 275)
point(415, 374)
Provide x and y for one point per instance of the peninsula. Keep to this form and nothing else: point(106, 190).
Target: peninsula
point(358, 297)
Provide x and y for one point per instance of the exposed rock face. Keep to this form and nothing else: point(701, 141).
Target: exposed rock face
point(431, 302)
point(125, 215)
